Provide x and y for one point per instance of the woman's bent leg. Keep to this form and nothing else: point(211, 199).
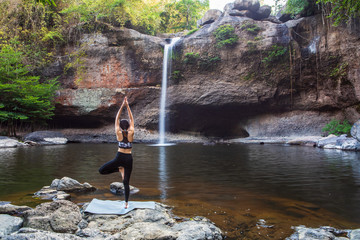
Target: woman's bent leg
point(110, 167)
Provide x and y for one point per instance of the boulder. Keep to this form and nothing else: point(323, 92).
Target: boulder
point(339, 142)
point(263, 12)
point(282, 16)
point(325, 232)
point(50, 193)
point(117, 188)
point(229, 7)
point(6, 142)
point(71, 185)
point(355, 130)
point(155, 223)
point(9, 224)
point(46, 138)
point(13, 209)
point(252, 5)
point(210, 16)
point(59, 216)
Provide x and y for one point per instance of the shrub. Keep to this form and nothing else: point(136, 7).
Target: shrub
point(274, 54)
point(207, 63)
point(251, 28)
point(225, 36)
point(202, 62)
point(337, 128)
point(191, 58)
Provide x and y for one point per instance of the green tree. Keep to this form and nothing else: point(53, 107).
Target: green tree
point(341, 10)
point(22, 96)
point(295, 7)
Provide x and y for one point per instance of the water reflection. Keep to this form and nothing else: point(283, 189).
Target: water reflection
point(163, 174)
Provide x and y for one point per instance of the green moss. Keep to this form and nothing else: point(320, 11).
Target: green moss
point(337, 128)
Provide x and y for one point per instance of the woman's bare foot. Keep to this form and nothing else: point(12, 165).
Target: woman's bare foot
point(126, 205)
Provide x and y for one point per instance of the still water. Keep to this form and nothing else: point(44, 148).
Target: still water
point(233, 185)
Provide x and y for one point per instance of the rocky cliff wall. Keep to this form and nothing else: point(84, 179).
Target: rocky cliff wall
point(253, 88)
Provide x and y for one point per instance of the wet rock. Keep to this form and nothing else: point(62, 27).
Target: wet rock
point(50, 193)
point(71, 185)
point(355, 130)
point(9, 224)
point(59, 216)
point(118, 188)
point(339, 142)
point(13, 209)
point(305, 141)
point(6, 142)
point(46, 138)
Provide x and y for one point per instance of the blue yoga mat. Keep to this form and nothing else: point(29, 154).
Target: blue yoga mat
point(97, 206)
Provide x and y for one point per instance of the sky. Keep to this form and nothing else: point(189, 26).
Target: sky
point(219, 4)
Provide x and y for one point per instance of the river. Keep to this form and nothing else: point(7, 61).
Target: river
point(250, 191)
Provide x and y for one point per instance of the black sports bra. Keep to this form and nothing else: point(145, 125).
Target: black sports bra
point(125, 142)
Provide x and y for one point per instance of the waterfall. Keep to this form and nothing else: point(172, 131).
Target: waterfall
point(166, 68)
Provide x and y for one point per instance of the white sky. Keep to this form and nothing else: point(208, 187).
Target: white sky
point(220, 4)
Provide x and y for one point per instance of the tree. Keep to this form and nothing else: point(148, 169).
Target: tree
point(341, 10)
point(22, 96)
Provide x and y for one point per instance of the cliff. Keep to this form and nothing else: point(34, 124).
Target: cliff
point(279, 79)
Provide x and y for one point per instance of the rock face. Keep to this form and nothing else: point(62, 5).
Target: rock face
point(279, 79)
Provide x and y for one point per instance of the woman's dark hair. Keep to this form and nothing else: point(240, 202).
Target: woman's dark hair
point(124, 124)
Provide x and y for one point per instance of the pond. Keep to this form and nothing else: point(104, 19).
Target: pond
point(249, 191)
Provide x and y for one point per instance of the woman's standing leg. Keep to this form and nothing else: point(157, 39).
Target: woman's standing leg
point(126, 182)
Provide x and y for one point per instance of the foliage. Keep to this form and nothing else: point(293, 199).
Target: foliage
point(337, 128)
point(191, 58)
point(274, 54)
point(295, 7)
point(202, 62)
point(340, 70)
point(251, 28)
point(225, 36)
point(22, 96)
point(341, 10)
point(192, 31)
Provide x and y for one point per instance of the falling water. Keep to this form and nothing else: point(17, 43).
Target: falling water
point(166, 67)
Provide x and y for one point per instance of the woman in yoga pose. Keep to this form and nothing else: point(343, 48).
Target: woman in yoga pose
point(123, 161)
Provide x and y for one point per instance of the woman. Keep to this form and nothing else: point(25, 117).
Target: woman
point(123, 161)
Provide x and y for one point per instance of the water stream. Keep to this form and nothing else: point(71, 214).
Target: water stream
point(168, 49)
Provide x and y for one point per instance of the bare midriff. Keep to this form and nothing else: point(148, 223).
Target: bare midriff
point(124, 150)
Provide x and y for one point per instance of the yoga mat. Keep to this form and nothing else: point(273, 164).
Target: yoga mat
point(97, 206)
